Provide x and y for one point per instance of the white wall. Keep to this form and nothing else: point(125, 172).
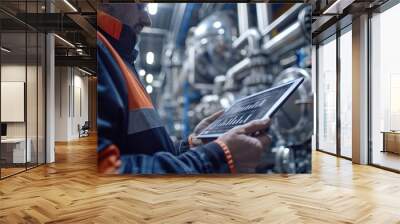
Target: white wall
point(80, 100)
point(34, 125)
point(9, 73)
point(12, 101)
point(62, 78)
point(16, 73)
point(71, 93)
point(13, 72)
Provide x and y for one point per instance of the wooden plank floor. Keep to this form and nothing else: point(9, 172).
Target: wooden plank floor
point(10, 171)
point(70, 191)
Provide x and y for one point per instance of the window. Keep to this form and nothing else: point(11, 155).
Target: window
point(346, 93)
point(327, 96)
point(385, 88)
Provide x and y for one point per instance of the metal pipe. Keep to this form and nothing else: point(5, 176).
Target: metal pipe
point(292, 33)
point(292, 37)
point(289, 14)
point(177, 17)
point(236, 69)
point(263, 17)
point(252, 36)
point(243, 17)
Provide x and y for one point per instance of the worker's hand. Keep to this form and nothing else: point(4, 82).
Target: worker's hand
point(247, 144)
point(108, 160)
point(201, 126)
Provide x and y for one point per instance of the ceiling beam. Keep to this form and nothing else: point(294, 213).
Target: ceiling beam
point(86, 26)
point(82, 61)
point(44, 22)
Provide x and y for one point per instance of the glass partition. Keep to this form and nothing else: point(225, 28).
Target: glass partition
point(13, 105)
point(32, 98)
point(34, 50)
point(22, 77)
point(41, 110)
point(327, 96)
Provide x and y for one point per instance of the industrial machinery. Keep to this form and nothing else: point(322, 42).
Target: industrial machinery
point(223, 62)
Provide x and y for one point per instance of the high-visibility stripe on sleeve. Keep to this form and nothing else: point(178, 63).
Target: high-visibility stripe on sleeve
point(109, 24)
point(138, 98)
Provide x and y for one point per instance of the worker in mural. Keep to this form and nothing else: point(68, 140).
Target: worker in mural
point(131, 137)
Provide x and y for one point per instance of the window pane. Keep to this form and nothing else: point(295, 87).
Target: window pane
point(346, 94)
point(385, 88)
point(327, 97)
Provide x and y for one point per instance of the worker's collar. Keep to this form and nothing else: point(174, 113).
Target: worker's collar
point(121, 36)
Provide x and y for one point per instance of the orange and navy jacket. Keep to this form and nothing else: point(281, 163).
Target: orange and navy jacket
point(127, 118)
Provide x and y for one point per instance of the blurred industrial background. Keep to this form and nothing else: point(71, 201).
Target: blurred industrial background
point(197, 59)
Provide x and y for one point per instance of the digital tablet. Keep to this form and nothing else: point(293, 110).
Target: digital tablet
point(257, 106)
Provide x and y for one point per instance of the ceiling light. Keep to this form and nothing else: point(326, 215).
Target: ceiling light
point(150, 58)
point(152, 8)
point(5, 50)
point(142, 72)
point(337, 7)
point(64, 40)
point(84, 71)
point(149, 78)
point(149, 89)
point(70, 5)
point(217, 24)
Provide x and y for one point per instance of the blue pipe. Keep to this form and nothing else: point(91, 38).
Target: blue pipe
point(186, 23)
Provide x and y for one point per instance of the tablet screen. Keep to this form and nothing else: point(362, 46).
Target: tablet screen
point(257, 106)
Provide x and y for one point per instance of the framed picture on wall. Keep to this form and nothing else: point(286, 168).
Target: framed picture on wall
point(12, 101)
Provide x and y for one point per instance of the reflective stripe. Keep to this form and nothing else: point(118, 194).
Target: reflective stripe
point(109, 24)
point(138, 98)
point(142, 120)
